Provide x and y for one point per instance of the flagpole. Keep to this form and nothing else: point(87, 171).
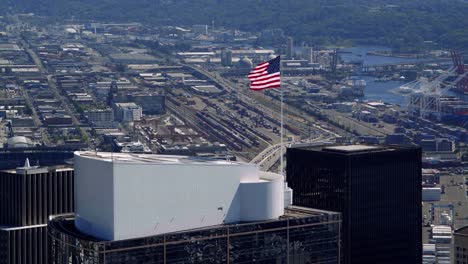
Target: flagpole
point(282, 136)
point(267, 75)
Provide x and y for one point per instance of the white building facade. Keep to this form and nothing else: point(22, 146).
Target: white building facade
point(128, 112)
point(123, 196)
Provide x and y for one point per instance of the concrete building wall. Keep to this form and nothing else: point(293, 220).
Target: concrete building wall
point(100, 117)
point(167, 198)
point(127, 112)
point(94, 197)
point(129, 199)
point(460, 246)
point(262, 199)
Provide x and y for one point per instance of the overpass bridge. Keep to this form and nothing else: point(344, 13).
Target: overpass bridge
point(271, 155)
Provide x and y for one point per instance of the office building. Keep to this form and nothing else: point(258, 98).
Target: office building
point(437, 145)
point(303, 235)
point(428, 145)
point(308, 54)
point(226, 58)
point(113, 92)
point(100, 117)
point(151, 104)
point(429, 254)
point(29, 195)
point(45, 156)
point(24, 244)
point(200, 29)
point(460, 246)
point(127, 112)
point(290, 49)
point(140, 208)
point(377, 190)
point(444, 144)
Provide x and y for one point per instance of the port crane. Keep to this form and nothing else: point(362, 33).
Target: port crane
point(427, 94)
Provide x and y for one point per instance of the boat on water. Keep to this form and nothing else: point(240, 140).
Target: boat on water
point(409, 88)
point(405, 90)
point(353, 86)
point(383, 79)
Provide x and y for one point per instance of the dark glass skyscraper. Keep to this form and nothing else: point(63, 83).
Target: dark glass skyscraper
point(377, 190)
point(302, 235)
point(28, 196)
point(43, 156)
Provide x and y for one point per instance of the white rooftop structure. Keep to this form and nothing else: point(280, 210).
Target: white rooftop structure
point(123, 196)
point(28, 169)
point(353, 148)
point(19, 142)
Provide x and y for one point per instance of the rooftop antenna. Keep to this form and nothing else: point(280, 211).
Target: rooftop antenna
point(26, 163)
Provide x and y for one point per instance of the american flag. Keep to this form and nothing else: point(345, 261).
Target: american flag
point(266, 75)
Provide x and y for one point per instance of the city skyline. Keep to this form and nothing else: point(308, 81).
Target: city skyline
point(143, 132)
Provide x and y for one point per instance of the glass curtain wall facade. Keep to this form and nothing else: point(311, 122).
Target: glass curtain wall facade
point(26, 202)
point(378, 192)
point(302, 235)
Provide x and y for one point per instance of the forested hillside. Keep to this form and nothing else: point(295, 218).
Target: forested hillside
point(400, 23)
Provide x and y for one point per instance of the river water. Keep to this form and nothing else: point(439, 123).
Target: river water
point(360, 54)
point(383, 91)
point(377, 91)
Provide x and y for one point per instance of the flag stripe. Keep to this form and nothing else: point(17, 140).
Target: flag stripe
point(268, 85)
point(259, 69)
point(264, 88)
point(265, 75)
point(269, 80)
point(262, 64)
point(254, 75)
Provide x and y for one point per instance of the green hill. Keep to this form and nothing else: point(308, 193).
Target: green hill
point(400, 23)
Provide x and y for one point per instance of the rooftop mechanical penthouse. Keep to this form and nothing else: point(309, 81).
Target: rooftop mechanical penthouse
point(122, 196)
point(135, 208)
